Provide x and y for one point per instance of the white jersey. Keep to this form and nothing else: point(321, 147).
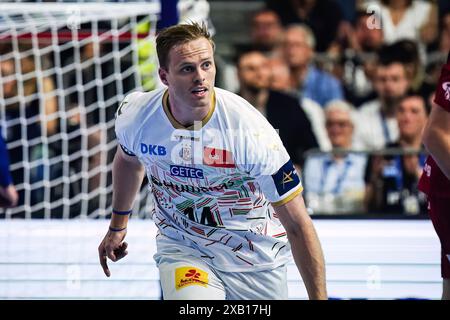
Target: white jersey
point(213, 183)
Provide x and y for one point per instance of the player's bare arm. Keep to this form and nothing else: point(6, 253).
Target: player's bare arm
point(436, 138)
point(128, 174)
point(305, 245)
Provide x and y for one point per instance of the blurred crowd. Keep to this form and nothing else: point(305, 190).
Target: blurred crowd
point(348, 84)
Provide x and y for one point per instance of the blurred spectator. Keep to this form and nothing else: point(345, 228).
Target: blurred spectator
point(23, 93)
point(377, 125)
point(392, 179)
point(323, 17)
point(280, 76)
point(334, 183)
point(407, 52)
point(359, 46)
point(84, 67)
point(348, 9)
point(281, 110)
point(444, 38)
point(281, 81)
point(415, 20)
point(307, 79)
point(266, 34)
point(8, 193)
point(79, 107)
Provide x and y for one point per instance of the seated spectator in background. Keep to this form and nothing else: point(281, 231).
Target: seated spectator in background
point(307, 79)
point(377, 125)
point(280, 80)
point(392, 179)
point(415, 20)
point(334, 182)
point(323, 17)
point(407, 52)
point(444, 38)
point(281, 110)
point(266, 34)
point(359, 46)
point(8, 193)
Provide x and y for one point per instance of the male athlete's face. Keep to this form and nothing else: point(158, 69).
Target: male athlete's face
point(190, 73)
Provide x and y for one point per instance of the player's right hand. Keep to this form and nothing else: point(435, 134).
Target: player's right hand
point(112, 247)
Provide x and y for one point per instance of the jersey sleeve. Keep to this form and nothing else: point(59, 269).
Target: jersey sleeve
point(123, 126)
point(268, 162)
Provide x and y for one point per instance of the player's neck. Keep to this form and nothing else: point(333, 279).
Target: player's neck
point(187, 115)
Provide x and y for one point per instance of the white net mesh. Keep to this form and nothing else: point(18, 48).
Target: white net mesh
point(64, 69)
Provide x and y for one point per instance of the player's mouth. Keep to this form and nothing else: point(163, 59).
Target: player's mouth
point(199, 92)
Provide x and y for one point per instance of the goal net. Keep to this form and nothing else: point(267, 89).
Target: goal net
point(65, 67)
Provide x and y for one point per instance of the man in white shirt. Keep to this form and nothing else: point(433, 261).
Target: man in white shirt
point(377, 125)
point(227, 195)
point(334, 182)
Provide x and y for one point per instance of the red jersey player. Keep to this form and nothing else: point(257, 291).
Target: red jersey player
point(435, 180)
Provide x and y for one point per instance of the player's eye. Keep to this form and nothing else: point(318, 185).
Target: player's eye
point(187, 69)
point(207, 65)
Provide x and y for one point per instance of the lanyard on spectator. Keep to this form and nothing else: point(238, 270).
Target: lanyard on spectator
point(386, 134)
point(340, 180)
point(399, 175)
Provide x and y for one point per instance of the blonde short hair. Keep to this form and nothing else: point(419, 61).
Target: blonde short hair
point(179, 34)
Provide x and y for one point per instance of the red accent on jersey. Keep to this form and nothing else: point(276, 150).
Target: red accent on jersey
point(218, 158)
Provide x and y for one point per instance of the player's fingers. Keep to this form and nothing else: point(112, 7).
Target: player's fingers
point(110, 253)
point(121, 251)
point(103, 262)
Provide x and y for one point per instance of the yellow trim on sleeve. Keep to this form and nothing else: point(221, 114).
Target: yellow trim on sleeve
point(288, 198)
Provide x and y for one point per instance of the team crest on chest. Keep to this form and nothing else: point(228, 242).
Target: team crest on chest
point(186, 153)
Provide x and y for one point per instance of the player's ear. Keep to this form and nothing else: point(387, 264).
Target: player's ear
point(163, 75)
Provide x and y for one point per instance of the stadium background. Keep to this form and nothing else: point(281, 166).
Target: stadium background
point(50, 242)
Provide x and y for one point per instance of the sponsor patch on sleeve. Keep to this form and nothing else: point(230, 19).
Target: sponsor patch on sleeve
point(286, 178)
point(188, 276)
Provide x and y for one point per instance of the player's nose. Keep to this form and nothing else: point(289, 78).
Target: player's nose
point(199, 76)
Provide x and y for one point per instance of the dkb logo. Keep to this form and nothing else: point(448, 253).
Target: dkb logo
point(153, 149)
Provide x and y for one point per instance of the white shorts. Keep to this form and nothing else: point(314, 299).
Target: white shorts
point(186, 277)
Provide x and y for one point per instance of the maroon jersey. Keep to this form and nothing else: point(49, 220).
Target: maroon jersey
point(433, 181)
point(443, 90)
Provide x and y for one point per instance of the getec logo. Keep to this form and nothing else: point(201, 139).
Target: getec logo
point(153, 149)
point(186, 172)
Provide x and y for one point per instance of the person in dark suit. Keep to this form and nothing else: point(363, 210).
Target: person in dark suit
point(281, 110)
